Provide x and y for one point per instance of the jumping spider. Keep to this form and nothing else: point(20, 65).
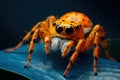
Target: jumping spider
point(68, 31)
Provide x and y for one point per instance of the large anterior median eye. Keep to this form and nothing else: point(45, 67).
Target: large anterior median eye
point(59, 29)
point(69, 30)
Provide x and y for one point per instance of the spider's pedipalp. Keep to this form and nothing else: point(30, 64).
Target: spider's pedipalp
point(78, 49)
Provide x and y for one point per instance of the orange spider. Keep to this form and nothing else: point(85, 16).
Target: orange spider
point(68, 32)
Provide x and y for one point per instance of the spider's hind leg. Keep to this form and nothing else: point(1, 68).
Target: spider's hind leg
point(26, 38)
point(99, 33)
point(94, 39)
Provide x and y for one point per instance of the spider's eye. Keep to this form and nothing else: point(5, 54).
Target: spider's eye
point(69, 30)
point(76, 27)
point(54, 24)
point(59, 29)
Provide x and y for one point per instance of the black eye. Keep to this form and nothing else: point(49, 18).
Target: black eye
point(69, 30)
point(59, 29)
point(76, 27)
point(54, 24)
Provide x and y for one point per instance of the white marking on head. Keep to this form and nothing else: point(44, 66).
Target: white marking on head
point(86, 30)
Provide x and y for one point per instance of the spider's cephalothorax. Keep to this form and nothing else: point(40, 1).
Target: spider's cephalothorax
point(72, 25)
point(69, 31)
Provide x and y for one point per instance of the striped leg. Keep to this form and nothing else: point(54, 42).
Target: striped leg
point(96, 34)
point(100, 34)
point(74, 56)
point(26, 38)
point(68, 46)
point(96, 52)
point(47, 42)
point(31, 48)
point(44, 34)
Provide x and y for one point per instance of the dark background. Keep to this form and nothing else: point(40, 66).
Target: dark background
point(17, 16)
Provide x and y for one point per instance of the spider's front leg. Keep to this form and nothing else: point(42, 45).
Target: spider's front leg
point(32, 44)
point(46, 30)
point(78, 49)
point(67, 48)
point(45, 36)
point(31, 48)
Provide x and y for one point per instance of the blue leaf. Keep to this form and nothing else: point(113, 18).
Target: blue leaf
point(52, 67)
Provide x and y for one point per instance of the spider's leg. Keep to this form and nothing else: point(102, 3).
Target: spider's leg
point(67, 48)
point(31, 48)
point(94, 38)
point(79, 48)
point(26, 38)
point(96, 51)
point(100, 34)
point(45, 33)
point(47, 42)
point(50, 19)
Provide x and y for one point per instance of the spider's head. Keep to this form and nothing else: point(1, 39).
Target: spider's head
point(72, 25)
point(67, 29)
